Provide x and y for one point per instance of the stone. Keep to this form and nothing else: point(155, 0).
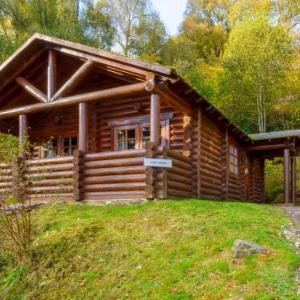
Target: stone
point(291, 234)
point(242, 248)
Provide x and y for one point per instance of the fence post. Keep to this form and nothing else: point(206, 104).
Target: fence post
point(78, 175)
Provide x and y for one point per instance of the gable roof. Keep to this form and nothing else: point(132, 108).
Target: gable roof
point(39, 43)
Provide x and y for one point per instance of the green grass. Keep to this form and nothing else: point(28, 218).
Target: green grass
point(162, 250)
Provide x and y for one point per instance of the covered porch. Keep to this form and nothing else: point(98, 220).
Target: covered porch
point(89, 139)
point(285, 145)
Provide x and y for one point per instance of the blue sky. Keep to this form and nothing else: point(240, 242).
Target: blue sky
point(171, 12)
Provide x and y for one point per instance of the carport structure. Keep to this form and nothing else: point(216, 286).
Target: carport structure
point(285, 144)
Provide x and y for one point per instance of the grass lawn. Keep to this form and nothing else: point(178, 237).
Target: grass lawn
point(162, 250)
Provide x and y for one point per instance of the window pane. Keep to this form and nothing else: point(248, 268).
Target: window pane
point(131, 144)
point(131, 133)
point(66, 142)
point(74, 141)
point(146, 131)
point(121, 140)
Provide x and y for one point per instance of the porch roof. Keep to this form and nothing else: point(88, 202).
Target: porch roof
point(275, 135)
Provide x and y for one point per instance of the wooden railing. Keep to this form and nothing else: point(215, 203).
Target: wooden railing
point(51, 178)
point(107, 176)
point(6, 179)
point(114, 176)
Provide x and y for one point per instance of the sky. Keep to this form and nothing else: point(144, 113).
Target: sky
point(171, 12)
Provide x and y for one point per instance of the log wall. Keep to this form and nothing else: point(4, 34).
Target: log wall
point(176, 181)
point(211, 174)
point(127, 109)
point(114, 176)
point(50, 179)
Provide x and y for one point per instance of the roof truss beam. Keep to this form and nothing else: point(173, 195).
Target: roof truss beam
point(31, 89)
point(122, 91)
point(74, 80)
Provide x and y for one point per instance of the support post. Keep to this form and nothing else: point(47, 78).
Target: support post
point(23, 133)
point(293, 179)
point(155, 120)
point(78, 175)
point(83, 128)
point(51, 74)
point(286, 161)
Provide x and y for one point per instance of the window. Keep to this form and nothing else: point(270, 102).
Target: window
point(136, 136)
point(233, 159)
point(60, 146)
point(145, 136)
point(50, 149)
point(126, 138)
point(68, 145)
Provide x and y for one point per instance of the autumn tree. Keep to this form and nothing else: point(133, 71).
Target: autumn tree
point(138, 30)
point(80, 21)
point(256, 63)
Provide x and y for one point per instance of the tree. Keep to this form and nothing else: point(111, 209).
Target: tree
point(80, 21)
point(256, 62)
point(138, 30)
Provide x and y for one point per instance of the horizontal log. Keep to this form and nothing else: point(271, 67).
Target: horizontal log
point(122, 91)
point(50, 195)
point(178, 193)
point(114, 187)
point(180, 172)
point(50, 188)
point(54, 167)
point(126, 178)
point(177, 185)
point(56, 174)
point(115, 171)
point(6, 184)
point(175, 177)
point(62, 182)
point(177, 155)
point(212, 186)
point(120, 162)
point(115, 154)
point(207, 191)
point(56, 160)
point(182, 165)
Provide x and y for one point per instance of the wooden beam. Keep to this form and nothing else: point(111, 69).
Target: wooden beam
point(20, 68)
point(269, 147)
point(74, 80)
point(294, 179)
point(155, 119)
point(31, 89)
point(286, 159)
point(51, 74)
point(168, 96)
point(23, 132)
point(105, 61)
point(122, 91)
point(83, 128)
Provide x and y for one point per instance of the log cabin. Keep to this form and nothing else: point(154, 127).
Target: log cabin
point(94, 116)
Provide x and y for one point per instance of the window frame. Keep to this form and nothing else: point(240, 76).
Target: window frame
point(165, 134)
point(233, 156)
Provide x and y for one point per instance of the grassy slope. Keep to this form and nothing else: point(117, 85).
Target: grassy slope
point(164, 250)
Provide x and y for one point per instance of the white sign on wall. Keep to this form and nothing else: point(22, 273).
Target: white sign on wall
point(157, 163)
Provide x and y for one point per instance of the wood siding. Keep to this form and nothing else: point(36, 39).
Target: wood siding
point(212, 178)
